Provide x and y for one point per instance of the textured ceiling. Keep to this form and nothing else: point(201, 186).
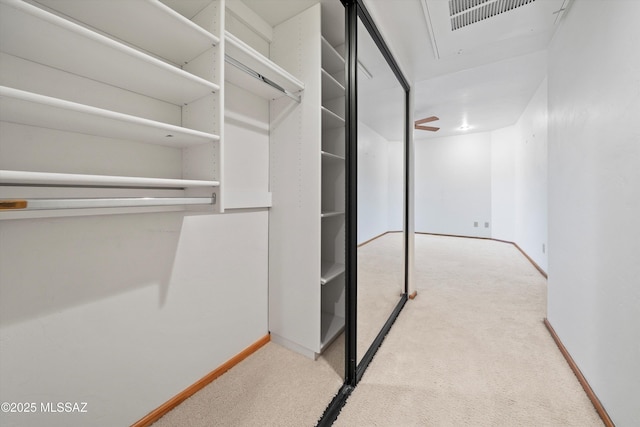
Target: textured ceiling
point(482, 75)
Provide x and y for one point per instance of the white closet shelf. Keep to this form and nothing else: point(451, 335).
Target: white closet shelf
point(330, 214)
point(247, 57)
point(330, 87)
point(332, 61)
point(331, 156)
point(188, 8)
point(143, 23)
point(56, 42)
point(331, 326)
point(32, 109)
point(331, 120)
point(329, 271)
point(8, 177)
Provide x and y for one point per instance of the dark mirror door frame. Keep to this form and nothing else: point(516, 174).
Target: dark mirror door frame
point(355, 9)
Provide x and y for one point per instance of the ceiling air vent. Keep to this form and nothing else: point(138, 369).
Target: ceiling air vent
point(467, 12)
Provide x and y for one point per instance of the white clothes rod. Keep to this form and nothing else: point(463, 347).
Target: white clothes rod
point(52, 204)
point(260, 77)
point(8, 177)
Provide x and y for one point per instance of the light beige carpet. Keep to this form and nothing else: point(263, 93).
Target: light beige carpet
point(257, 392)
point(272, 387)
point(470, 350)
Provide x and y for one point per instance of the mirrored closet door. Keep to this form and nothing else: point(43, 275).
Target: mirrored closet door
point(380, 190)
point(377, 135)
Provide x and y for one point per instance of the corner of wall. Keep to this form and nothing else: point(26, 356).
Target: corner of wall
point(519, 180)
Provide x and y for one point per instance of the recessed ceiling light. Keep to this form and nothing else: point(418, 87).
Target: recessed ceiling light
point(464, 127)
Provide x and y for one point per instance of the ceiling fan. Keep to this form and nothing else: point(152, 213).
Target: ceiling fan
point(418, 124)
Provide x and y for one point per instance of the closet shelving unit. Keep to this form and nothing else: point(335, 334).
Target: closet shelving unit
point(104, 111)
point(333, 192)
point(92, 74)
point(306, 222)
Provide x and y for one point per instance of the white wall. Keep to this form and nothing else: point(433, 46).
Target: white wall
point(373, 177)
point(125, 311)
point(531, 178)
point(380, 184)
point(503, 183)
point(498, 177)
point(453, 185)
point(395, 186)
point(519, 180)
point(594, 198)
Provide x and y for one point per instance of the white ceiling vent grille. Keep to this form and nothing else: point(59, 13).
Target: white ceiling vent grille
point(467, 12)
point(459, 6)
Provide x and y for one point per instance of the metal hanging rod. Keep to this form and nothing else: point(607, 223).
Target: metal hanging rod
point(239, 65)
point(82, 203)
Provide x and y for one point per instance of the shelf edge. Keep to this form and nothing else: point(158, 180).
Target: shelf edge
point(100, 112)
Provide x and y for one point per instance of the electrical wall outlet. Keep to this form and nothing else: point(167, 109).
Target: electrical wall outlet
point(475, 223)
point(544, 248)
point(486, 225)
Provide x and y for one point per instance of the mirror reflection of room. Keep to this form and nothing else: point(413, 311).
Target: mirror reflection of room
point(380, 191)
